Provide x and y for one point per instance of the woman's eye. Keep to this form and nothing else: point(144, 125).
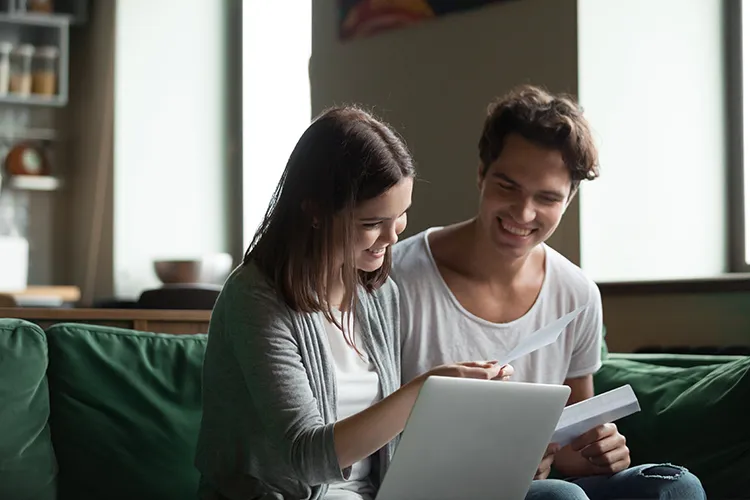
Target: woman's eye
point(371, 225)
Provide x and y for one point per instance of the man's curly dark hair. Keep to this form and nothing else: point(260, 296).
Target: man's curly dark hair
point(551, 121)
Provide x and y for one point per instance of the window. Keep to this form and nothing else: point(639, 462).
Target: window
point(742, 159)
point(651, 81)
point(737, 15)
point(276, 48)
point(168, 142)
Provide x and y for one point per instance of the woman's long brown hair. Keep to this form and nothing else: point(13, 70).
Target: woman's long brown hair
point(346, 156)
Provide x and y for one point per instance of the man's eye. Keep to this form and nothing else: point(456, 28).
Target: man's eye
point(549, 201)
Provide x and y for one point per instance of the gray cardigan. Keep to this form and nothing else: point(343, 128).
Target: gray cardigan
point(269, 392)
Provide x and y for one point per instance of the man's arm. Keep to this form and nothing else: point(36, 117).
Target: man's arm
point(601, 450)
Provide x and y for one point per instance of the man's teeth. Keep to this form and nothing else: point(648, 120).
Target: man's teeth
point(515, 230)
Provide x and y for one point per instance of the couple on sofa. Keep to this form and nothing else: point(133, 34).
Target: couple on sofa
point(322, 337)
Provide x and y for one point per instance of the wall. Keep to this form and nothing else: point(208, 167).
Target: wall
point(433, 82)
point(677, 319)
point(169, 136)
point(88, 158)
point(655, 97)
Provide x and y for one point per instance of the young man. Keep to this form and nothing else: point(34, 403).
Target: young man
point(472, 290)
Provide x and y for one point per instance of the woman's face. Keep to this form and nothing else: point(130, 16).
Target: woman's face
point(378, 222)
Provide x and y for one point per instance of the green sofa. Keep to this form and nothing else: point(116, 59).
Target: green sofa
point(90, 412)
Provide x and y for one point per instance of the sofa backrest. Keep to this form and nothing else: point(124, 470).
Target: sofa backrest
point(693, 413)
point(125, 412)
point(27, 460)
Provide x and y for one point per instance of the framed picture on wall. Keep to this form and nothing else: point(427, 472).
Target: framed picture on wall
point(363, 18)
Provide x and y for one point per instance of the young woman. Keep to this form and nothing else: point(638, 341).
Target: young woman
point(302, 385)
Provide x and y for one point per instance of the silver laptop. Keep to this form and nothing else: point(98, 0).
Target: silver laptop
point(468, 438)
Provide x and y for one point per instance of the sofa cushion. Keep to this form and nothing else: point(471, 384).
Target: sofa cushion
point(27, 460)
point(126, 409)
point(692, 416)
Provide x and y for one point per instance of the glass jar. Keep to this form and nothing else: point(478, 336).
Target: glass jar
point(44, 71)
point(5, 50)
point(20, 69)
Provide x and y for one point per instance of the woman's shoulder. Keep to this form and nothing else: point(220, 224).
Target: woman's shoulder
point(247, 279)
point(248, 290)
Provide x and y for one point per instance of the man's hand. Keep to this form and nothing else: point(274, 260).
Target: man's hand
point(604, 448)
point(542, 472)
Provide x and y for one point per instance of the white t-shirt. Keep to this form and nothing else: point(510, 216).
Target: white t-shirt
point(436, 329)
point(358, 387)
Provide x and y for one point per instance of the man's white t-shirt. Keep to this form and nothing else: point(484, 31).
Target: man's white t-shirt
point(358, 388)
point(436, 329)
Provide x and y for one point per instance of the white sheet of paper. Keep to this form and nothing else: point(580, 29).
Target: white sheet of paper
point(581, 417)
point(540, 338)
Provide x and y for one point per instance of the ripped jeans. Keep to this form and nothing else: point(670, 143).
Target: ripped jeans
point(651, 481)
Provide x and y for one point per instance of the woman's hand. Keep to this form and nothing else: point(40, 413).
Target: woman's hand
point(484, 370)
point(506, 372)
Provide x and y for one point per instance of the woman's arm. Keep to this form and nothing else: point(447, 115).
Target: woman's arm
point(260, 329)
point(260, 332)
point(364, 433)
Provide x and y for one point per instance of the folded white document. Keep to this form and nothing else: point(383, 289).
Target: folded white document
point(581, 417)
point(540, 338)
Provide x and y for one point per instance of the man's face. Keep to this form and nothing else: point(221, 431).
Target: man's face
point(523, 196)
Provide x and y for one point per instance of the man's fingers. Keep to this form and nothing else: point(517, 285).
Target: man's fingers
point(596, 434)
point(552, 449)
point(544, 467)
point(611, 457)
point(604, 446)
point(546, 464)
point(613, 468)
point(541, 474)
point(607, 451)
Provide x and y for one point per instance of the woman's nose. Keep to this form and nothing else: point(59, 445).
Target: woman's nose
point(390, 234)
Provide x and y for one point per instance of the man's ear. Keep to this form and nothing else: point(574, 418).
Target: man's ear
point(571, 195)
